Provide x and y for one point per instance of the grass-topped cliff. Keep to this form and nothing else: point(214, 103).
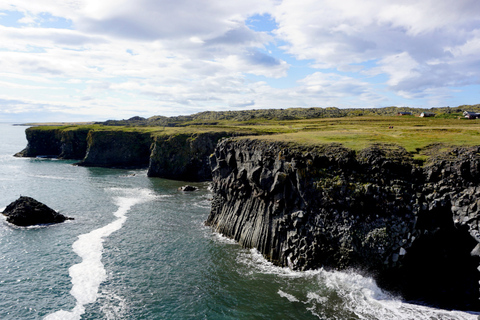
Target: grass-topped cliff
point(145, 142)
point(354, 128)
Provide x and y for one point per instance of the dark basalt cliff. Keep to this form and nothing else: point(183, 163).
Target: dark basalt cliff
point(184, 156)
point(177, 156)
point(117, 149)
point(415, 229)
point(58, 143)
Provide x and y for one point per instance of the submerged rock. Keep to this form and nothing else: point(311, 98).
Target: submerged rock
point(188, 188)
point(26, 211)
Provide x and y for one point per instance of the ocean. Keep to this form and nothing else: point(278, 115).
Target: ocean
point(138, 249)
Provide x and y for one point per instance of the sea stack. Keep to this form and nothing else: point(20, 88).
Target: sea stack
point(26, 211)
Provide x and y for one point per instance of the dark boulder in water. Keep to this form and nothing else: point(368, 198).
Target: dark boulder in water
point(26, 211)
point(188, 188)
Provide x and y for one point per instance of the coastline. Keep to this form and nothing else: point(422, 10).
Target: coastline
point(379, 208)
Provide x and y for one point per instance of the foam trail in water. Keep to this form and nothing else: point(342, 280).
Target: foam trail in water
point(90, 273)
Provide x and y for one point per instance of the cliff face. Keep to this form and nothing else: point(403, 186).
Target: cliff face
point(42, 143)
point(183, 156)
point(117, 149)
point(415, 229)
point(176, 156)
point(56, 143)
point(73, 144)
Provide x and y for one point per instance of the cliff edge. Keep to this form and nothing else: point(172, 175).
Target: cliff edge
point(184, 156)
point(414, 229)
point(179, 156)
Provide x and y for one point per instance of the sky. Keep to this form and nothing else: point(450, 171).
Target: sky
point(83, 60)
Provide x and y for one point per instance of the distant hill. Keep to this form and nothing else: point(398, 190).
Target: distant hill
point(212, 117)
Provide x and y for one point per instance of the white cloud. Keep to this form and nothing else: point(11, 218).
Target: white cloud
point(401, 67)
point(404, 37)
point(147, 57)
point(333, 89)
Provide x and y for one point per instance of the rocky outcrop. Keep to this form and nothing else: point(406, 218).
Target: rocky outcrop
point(41, 143)
point(184, 156)
point(117, 149)
point(188, 188)
point(173, 156)
point(26, 211)
point(415, 229)
point(63, 143)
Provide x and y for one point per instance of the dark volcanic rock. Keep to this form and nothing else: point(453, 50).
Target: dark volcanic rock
point(173, 156)
point(183, 156)
point(121, 149)
point(188, 188)
point(26, 211)
point(55, 143)
point(415, 229)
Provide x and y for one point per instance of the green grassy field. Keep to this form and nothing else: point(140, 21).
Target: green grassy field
point(415, 134)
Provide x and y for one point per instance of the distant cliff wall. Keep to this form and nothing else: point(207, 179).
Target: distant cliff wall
point(172, 156)
point(117, 149)
point(42, 143)
point(184, 156)
point(55, 142)
point(73, 143)
point(415, 229)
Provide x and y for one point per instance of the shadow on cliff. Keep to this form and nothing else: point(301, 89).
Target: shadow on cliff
point(439, 269)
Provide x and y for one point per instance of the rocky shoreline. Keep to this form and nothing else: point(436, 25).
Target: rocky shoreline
point(413, 227)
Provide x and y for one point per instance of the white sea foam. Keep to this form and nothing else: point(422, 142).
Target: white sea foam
point(44, 176)
point(115, 306)
point(257, 262)
point(205, 203)
point(90, 273)
point(221, 238)
point(360, 295)
point(364, 298)
point(289, 297)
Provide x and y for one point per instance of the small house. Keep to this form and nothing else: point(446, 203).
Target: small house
point(427, 114)
point(471, 115)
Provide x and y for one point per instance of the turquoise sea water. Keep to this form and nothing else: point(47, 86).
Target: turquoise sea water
point(138, 249)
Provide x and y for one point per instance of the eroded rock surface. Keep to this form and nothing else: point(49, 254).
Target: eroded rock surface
point(414, 228)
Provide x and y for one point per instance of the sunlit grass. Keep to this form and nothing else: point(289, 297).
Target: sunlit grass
point(412, 133)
